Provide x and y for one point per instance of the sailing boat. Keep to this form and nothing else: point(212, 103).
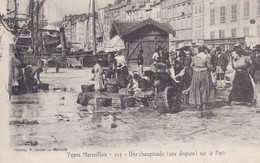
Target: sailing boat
point(23, 42)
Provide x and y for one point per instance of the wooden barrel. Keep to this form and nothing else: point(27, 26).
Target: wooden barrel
point(104, 101)
point(83, 99)
point(168, 101)
point(127, 101)
point(112, 88)
point(87, 88)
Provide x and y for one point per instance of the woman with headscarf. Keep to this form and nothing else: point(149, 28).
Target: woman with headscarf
point(202, 89)
point(97, 70)
point(242, 90)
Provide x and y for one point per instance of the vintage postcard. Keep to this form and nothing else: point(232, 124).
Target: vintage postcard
point(130, 81)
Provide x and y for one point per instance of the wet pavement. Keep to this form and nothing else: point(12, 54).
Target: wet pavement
point(54, 119)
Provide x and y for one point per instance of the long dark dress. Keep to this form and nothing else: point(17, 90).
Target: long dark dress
point(242, 90)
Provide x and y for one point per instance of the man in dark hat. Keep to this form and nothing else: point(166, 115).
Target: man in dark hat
point(221, 63)
point(255, 66)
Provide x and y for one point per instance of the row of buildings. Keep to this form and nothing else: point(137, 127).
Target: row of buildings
point(210, 22)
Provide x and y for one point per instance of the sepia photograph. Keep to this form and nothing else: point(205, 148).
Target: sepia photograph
point(130, 81)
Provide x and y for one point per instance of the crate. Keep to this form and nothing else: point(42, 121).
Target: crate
point(103, 101)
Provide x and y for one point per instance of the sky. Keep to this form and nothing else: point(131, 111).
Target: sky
point(56, 9)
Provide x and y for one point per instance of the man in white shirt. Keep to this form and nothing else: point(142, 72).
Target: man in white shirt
point(122, 70)
point(157, 55)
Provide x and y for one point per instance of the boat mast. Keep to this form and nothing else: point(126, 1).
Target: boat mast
point(94, 28)
point(15, 15)
point(37, 28)
point(32, 24)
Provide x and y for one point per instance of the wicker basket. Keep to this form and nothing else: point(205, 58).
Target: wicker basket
point(83, 99)
point(43, 86)
point(112, 88)
point(87, 88)
point(112, 81)
point(104, 101)
point(127, 101)
point(168, 101)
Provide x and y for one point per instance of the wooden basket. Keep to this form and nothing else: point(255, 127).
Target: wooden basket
point(87, 88)
point(104, 101)
point(83, 99)
point(43, 86)
point(112, 81)
point(127, 101)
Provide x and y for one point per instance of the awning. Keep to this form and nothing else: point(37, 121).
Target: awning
point(115, 44)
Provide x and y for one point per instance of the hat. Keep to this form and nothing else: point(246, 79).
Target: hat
point(218, 49)
point(238, 47)
point(257, 48)
point(184, 48)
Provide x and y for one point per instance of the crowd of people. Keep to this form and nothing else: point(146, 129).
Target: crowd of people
point(194, 73)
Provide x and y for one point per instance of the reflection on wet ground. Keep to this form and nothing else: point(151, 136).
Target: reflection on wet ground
point(54, 119)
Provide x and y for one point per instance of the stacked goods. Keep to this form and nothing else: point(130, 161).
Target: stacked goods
point(83, 99)
point(87, 88)
point(104, 101)
point(168, 101)
point(127, 101)
point(112, 86)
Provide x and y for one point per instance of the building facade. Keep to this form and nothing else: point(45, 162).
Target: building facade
point(198, 22)
point(179, 14)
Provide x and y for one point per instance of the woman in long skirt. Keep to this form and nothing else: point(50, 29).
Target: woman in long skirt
point(99, 82)
point(202, 89)
point(242, 90)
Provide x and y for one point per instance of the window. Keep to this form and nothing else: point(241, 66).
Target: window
point(196, 9)
point(233, 32)
point(221, 33)
point(234, 12)
point(258, 7)
point(246, 31)
point(212, 16)
point(222, 14)
point(258, 30)
point(212, 34)
point(200, 8)
point(246, 9)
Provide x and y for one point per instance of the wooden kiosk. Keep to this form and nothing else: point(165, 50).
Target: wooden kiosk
point(146, 35)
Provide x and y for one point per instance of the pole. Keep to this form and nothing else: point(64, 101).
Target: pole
point(36, 29)
point(32, 23)
point(15, 15)
point(63, 42)
point(94, 28)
